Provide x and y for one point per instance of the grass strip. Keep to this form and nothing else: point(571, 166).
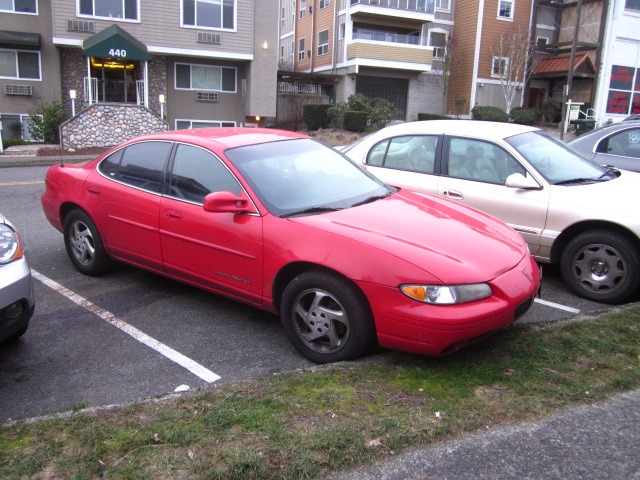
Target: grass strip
point(312, 423)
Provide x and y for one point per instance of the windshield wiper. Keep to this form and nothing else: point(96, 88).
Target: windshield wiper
point(610, 170)
point(316, 209)
point(579, 180)
point(372, 199)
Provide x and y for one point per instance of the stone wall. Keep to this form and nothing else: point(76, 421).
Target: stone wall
point(106, 125)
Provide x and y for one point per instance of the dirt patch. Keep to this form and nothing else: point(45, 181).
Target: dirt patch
point(56, 151)
point(333, 136)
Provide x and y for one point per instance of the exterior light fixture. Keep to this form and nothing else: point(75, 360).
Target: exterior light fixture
point(72, 95)
point(161, 98)
point(265, 45)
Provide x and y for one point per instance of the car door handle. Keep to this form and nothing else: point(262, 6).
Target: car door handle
point(172, 215)
point(93, 190)
point(453, 194)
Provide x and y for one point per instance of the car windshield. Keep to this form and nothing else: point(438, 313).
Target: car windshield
point(556, 162)
point(303, 176)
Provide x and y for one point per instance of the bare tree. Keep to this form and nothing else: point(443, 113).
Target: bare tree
point(515, 61)
point(450, 60)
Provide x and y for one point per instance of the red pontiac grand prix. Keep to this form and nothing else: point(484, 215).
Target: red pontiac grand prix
point(282, 222)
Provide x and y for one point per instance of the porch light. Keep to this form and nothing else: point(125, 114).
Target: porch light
point(265, 45)
point(257, 118)
point(161, 98)
point(72, 95)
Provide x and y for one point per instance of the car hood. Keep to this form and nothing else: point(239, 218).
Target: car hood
point(610, 200)
point(452, 242)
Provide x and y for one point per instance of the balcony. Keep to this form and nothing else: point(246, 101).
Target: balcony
point(395, 55)
point(411, 10)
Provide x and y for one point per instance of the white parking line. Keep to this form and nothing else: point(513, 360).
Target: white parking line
point(171, 354)
point(557, 305)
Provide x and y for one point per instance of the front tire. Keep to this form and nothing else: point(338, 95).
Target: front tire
point(601, 266)
point(84, 244)
point(327, 318)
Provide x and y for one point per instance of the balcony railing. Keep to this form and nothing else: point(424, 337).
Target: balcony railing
point(390, 37)
point(426, 6)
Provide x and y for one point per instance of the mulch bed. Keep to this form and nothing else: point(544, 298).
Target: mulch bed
point(55, 151)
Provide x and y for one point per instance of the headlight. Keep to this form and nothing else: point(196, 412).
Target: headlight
point(447, 295)
point(10, 246)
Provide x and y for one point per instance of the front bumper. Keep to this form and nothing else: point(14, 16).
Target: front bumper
point(17, 298)
point(407, 325)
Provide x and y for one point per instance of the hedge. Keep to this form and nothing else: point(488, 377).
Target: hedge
point(489, 114)
point(315, 115)
point(525, 116)
point(433, 116)
point(355, 121)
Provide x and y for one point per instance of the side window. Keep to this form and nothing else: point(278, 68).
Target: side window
point(415, 153)
point(625, 144)
point(142, 165)
point(480, 161)
point(197, 172)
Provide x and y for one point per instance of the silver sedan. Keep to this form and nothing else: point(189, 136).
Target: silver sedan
point(617, 145)
point(570, 210)
point(17, 300)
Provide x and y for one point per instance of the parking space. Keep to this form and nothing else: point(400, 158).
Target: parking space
point(129, 335)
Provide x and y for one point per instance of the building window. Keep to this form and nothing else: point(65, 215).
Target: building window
point(505, 9)
point(442, 5)
point(438, 40)
point(209, 13)
point(324, 3)
point(301, 49)
point(303, 8)
point(18, 6)
point(123, 9)
point(183, 124)
point(341, 31)
point(499, 66)
point(323, 42)
point(632, 5)
point(282, 17)
point(205, 77)
point(541, 42)
point(20, 64)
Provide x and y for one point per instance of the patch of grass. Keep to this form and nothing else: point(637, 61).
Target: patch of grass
point(311, 423)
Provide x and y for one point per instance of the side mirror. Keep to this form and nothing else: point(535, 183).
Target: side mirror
point(517, 180)
point(227, 202)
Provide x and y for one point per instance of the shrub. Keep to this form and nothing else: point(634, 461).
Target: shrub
point(380, 114)
point(10, 142)
point(489, 114)
point(15, 130)
point(355, 121)
point(45, 122)
point(433, 116)
point(524, 116)
point(550, 109)
point(315, 115)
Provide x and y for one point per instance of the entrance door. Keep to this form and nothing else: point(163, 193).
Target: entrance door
point(116, 80)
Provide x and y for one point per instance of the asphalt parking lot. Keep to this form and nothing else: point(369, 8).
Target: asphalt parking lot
point(130, 335)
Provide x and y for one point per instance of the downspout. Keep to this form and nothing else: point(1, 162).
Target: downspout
point(313, 33)
point(476, 56)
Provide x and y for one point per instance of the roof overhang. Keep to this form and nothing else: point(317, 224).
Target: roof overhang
point(19, 39)
point(557, 66)
point(114, 42)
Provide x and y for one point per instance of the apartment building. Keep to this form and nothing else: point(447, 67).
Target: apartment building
point(379, 48)
point(195, 62)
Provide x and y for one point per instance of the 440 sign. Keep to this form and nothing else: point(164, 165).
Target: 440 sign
point(117, 52)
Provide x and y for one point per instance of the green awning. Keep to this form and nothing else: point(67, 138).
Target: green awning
point(19, 39)
point(114, 42)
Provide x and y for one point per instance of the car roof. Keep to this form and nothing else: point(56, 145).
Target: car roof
point(605, 129)
point(224, 137)
point(488, 130)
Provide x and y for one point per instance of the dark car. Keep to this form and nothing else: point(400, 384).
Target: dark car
point(16, 284)
point(617, 145)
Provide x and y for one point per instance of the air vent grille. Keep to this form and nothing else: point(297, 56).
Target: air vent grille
point(206, 96)
point(18, 90)
point(208, 37)
point(81, 26)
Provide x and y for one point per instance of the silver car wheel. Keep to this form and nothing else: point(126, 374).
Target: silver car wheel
point(599, 267)
point(82, 243)
point(320, 321)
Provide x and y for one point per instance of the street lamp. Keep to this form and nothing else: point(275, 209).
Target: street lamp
point(72, 94)
point(161, 98)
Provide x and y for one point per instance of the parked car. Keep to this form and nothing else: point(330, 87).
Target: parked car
point(17, 298)
point(632, 118)
point(571, 211)
point(284, 223)
point(617, 145)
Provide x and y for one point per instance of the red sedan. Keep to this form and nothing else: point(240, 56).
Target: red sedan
point(282, 222)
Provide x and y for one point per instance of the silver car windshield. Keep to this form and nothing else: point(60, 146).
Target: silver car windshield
point(303, 176)
point(555, 161)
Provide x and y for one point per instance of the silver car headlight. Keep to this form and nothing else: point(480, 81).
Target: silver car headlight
point(447, 294)
point(10, 246)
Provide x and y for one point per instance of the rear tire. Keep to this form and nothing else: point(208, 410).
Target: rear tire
point(601, 266)
point(84, 244)
point(327, 318)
